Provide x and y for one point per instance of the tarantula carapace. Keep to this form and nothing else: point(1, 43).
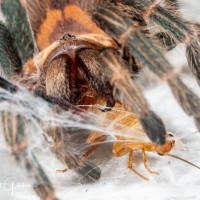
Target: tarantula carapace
point(62, 50)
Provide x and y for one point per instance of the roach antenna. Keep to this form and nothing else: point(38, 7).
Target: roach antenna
point(173, 156)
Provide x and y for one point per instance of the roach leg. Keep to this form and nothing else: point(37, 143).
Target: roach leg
point(62, 170)
point(87, 153)
point(144, 159)
point(130, 166)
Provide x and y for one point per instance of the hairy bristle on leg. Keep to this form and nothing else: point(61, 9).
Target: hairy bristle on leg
point(118, 73)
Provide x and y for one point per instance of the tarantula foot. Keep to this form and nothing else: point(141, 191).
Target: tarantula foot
point(154, 128)
point(89, 172)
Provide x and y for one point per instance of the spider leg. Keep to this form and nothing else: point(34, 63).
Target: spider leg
point(17, 138)
point(62, 151)
point(144, 158)
point(123, 30)
point(65, 150)
point(171, 23)
point(63, 145)
point(173, 4)
point(117, 72)
point(9, 57)
point(8, 85)
point(187, 99)
point(130, 165)
point(19, 28)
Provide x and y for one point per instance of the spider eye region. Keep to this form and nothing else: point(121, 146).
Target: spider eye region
point(67, 36)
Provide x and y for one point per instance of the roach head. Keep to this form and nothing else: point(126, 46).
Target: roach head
point(162, 150)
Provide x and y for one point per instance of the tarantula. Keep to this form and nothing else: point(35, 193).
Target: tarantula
point(61, 50)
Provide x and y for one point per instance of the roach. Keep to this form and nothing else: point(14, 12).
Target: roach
point(129, 137)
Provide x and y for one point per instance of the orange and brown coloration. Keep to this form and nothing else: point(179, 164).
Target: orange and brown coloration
point(71, 19)
point(129, 135)
point(78, 30)
point(63, 35)
point(94, 45)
